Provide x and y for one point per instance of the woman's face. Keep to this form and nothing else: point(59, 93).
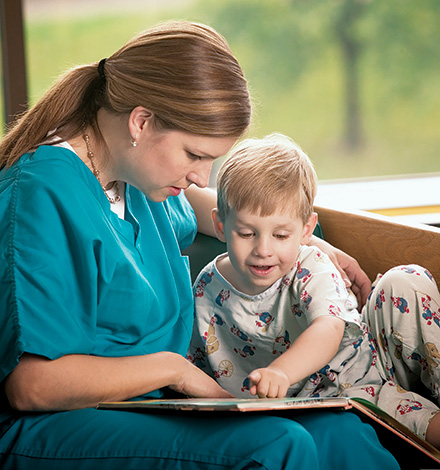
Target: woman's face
point(164, 163)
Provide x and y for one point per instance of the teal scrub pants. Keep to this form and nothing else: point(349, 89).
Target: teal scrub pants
point(98, 439)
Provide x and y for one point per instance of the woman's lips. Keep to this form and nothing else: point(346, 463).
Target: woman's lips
point(175, 191)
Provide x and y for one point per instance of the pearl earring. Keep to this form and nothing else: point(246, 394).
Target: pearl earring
point(133, 143)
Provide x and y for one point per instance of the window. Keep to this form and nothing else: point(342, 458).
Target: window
point(354, 82)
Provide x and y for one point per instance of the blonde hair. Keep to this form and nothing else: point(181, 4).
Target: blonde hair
point(264, 175)
point(184, 72)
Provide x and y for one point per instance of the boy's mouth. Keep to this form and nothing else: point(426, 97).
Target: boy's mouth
point(261, 270)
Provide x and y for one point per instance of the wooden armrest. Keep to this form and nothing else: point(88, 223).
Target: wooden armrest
point(378, 243)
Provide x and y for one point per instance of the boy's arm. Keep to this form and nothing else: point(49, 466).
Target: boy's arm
point(312, 350)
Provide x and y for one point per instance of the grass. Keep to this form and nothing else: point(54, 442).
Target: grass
point(400, 131)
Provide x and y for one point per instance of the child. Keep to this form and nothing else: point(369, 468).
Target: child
point(273, 316)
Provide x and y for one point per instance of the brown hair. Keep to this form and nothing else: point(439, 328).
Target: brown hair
point(264, 175)
point(184, 72)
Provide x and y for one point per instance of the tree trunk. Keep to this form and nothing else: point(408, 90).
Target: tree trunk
point(351, 49)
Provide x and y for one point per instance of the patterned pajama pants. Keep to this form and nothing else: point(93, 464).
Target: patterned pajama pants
point(403, 313)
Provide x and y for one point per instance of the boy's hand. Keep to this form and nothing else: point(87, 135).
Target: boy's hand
point(269, 383)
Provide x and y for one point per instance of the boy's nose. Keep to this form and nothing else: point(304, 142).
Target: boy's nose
point(263, 247)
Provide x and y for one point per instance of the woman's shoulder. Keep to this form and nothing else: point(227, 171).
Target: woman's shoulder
point(48, 168)
point(47, 165)
point(48, 160)
point(49, 179)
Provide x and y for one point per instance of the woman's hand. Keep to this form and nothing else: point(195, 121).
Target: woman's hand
point(269, 382)
point(352, 274)
point(194, 382)
point(81, 381)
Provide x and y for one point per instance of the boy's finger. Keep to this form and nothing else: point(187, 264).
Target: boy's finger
point(255, 376)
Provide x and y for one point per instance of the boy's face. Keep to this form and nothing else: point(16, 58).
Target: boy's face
point(261, 249)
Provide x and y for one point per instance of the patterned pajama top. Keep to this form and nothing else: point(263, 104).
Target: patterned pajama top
point(235, 333)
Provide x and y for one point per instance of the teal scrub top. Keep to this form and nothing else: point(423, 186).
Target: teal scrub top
point(77, 279)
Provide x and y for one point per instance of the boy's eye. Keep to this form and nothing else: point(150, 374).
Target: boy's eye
point(281, 236)
point(245, 234)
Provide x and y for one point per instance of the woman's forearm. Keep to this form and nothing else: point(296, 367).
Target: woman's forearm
point(203, 200)
point(78, 381)
point(81, 381)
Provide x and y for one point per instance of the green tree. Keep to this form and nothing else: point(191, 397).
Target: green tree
point(397, 39)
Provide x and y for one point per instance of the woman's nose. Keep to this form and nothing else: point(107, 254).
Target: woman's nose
point(201, 176)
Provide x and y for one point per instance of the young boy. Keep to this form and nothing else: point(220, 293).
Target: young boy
point(273, 316)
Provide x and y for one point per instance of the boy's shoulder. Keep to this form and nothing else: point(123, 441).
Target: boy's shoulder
point(206, 276)
point(312, 254)
point(314, 261)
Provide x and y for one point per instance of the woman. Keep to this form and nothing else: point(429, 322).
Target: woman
point(95, 297)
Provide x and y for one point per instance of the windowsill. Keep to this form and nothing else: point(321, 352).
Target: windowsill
point(407, 198)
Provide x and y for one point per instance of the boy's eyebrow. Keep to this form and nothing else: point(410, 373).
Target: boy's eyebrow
point(276, 227)
point(284, 227)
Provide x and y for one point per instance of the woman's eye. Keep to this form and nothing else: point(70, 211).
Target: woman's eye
point(192, 156)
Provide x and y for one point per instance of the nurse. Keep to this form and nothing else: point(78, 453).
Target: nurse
point(95, 297)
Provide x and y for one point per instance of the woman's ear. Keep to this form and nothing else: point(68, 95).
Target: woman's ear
point(309, 227)
point(218, 225)
point(139, 120)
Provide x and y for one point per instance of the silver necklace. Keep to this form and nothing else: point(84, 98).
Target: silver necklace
point(115, 185)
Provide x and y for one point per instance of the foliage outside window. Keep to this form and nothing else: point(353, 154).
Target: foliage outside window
point(354, 82)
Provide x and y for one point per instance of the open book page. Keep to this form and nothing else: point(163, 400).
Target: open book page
point(226, 404)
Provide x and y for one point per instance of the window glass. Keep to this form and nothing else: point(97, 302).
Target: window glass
point(354, 82)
